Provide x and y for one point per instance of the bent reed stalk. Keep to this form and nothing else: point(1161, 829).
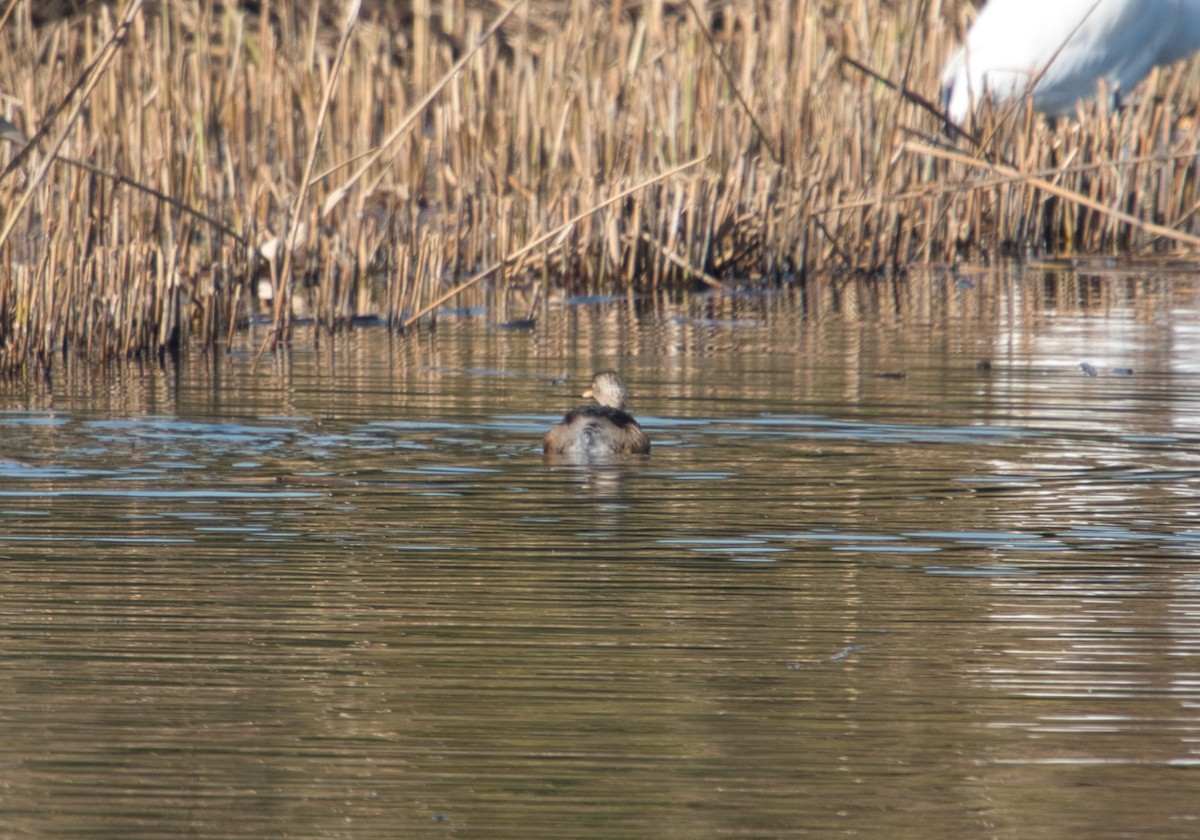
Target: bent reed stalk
point(524, 144)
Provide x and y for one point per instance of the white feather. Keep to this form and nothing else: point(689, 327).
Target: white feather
point(1064, 49)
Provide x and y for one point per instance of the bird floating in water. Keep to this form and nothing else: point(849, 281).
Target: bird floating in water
point(1059, 51)
point(598, 432)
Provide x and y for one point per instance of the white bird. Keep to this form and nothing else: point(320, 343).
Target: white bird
point(1064, 49)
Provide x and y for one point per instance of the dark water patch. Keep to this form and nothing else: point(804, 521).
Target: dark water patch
point(462, 311)
point(170, 427)
point(825, 428)
point(21, 418)
point(717, 323)
point(188, 493)
point(976, 571)
point(590, 300)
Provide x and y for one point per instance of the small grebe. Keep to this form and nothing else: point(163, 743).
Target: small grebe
point(597, 432)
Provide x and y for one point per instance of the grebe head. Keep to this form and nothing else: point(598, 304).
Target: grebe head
point(608, 389)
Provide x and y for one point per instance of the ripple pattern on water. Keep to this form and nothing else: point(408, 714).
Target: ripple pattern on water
point(864, 584)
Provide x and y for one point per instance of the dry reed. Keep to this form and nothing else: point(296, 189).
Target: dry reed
point(530, 156)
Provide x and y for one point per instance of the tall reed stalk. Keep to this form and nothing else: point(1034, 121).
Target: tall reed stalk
point(444, 150)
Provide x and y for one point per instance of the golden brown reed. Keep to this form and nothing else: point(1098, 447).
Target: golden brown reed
point(510, 169)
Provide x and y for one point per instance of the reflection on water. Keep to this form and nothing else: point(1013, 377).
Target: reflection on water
point(864, 584)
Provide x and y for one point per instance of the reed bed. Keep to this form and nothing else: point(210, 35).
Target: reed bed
point(348, 162)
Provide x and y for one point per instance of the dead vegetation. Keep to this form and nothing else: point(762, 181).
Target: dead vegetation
point(554, 146)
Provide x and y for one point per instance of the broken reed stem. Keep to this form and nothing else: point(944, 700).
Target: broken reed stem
point(1042, 184)
point(560, 231)
point(770, 142)
point(909, 94)
point(335, 198)
point(287, 237)
point(1014, 176)
point(676, 260)
point(125, 180)
point(95, 72)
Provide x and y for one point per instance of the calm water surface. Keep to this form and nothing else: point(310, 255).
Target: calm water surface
point(866, 585)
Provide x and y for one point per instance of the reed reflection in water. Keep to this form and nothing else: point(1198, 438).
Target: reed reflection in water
point(864, 584)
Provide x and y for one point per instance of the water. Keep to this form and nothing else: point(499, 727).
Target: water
point(865, 585)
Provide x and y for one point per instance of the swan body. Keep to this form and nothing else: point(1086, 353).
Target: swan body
point(1064, 49)
point(598, 432)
